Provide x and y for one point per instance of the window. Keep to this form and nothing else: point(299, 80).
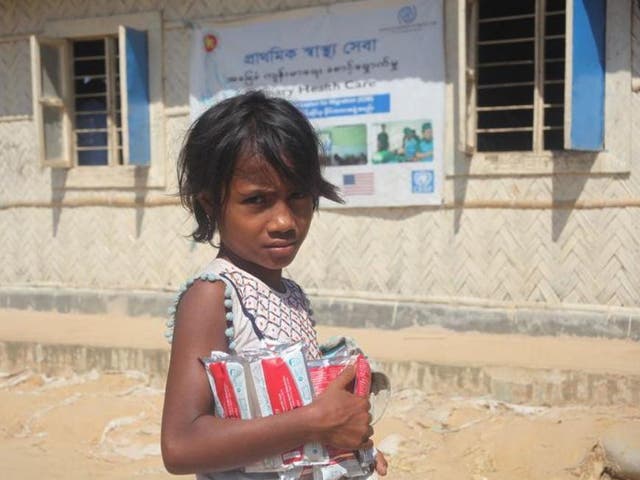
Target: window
point(520, 75)
point(94, 81)
point(97, 102)
point(535, 78)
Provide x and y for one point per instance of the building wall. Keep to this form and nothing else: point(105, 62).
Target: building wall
point(563, 239)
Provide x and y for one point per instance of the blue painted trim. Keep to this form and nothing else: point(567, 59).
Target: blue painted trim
point(137, 53)
point(588, 75)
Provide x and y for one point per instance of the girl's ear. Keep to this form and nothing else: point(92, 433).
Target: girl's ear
point(205, 202)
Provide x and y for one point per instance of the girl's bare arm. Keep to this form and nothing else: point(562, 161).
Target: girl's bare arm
point(194, 440)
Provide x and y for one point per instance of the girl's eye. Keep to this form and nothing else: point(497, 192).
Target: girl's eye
point(254, 200)
point(299, 195)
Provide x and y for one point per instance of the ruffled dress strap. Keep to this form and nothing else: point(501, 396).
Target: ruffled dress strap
point(228, 305)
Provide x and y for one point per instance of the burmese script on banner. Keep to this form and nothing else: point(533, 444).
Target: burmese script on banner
point(368, 75)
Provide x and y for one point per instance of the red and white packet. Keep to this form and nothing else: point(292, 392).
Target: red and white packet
point(230, 384)
point(342, 463)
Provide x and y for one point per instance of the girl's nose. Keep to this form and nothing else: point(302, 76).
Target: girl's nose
point(282, 220)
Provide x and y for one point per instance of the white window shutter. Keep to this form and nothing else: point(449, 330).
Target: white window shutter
point(51, 82)
point(134, 86)
point(471, 75)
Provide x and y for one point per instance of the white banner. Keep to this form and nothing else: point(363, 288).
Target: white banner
point(369, 76)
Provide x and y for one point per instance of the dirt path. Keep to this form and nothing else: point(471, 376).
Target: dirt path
point(106, 426)
point(428, 344)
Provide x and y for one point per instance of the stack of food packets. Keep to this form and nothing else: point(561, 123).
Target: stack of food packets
point(271, 381)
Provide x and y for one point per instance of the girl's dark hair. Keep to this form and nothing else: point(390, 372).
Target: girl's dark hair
point(255, 124)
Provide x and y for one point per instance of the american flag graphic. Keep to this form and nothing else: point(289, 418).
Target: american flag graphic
point(358, 183)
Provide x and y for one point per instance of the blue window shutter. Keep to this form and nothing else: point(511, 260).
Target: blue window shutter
point(586, 107)
point(136, 52)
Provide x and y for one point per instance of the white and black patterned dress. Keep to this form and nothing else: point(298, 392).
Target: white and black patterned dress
point(257, 316)
point(261, 314)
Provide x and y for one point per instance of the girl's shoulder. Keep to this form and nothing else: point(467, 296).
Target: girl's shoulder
point(295, 291)
point(212, 273)
point(292, 285)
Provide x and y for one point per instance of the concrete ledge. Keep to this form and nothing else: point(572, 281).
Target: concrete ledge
point(132, 303)
point(58, 359)
point(354, 313)
point(515, 320)
point(509, 384)
point(517, 385)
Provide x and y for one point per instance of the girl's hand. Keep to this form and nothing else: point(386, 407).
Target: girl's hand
point(343, 418)
point(380, 464)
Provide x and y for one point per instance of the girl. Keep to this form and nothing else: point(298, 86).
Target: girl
point(250, 170)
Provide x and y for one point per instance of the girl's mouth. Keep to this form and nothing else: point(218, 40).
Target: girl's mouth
point(282, 248)
point(277, 246)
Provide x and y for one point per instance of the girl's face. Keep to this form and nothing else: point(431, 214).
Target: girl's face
point(264, 220)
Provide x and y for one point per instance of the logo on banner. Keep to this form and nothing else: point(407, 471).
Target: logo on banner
point(407, 14)
point(358, 183)
point(422, 181)
point(210, 42)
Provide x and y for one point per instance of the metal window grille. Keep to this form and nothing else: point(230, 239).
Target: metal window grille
point(519, 64)
point(97, 103)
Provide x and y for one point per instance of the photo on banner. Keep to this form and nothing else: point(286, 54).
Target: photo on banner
point(343, 144)
point(375, 94)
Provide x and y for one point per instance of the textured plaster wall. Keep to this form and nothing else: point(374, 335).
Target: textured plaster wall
point(467, 252)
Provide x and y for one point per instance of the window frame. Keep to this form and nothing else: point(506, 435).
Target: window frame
point(60, 102)
point(130, 175)
point(615, 158)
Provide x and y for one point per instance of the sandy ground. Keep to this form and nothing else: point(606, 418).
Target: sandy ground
point(106, 425)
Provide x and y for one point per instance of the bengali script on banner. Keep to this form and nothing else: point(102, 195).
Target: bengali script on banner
point(368, 75)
